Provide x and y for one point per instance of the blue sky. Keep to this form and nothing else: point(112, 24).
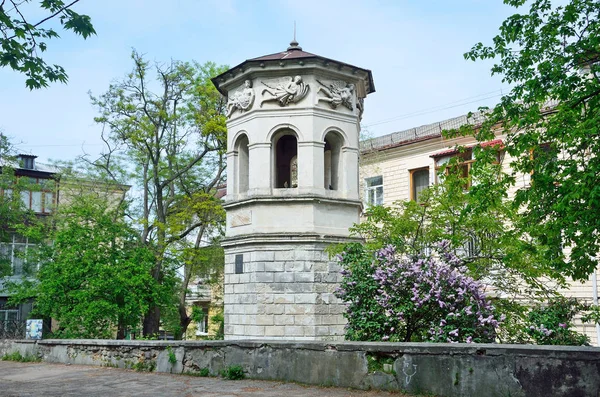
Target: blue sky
point(414, 49)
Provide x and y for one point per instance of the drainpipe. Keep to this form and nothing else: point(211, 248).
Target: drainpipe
point(595, 297)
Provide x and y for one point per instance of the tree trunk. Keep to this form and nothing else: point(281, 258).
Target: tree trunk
point(184, 321)
point(121, 330)
point(152, 322)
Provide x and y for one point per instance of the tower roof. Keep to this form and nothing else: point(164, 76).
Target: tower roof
point(293, 54)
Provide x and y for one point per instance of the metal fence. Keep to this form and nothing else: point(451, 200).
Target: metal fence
point(423, 131)
point(12, 329)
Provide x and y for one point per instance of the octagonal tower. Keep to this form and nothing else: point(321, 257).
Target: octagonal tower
point(292, 190)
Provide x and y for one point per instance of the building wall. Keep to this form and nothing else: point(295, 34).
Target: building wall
point(284, 291)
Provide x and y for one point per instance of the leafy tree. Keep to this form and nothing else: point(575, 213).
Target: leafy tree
point(22, 38)
point(551, 117)
point(174, 143)
point(413, 298)
point(94, 273)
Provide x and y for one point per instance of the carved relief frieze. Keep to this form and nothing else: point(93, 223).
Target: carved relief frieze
point(337, 93)
point(290, 90)
point(241, 100)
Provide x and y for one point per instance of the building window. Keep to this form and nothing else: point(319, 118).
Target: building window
point(374, 190)
point(461, 167)
point(242, 164)
point(202, 325)
point(41, 199)
point(285, 160)
point(13, 252)
point(419, 181)
point(9, 315)
point(332, 157)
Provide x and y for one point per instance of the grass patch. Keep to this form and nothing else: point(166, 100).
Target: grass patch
point(17, 356)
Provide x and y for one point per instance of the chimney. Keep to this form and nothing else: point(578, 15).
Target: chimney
point(27, 161)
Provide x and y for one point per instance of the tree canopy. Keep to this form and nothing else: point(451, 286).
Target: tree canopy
point(551, 117)
point(170, 133)
point(94, 273)
point(23, 39)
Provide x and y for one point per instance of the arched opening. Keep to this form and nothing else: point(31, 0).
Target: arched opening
point(332, 158)
point(285, 160)
point(243, 164)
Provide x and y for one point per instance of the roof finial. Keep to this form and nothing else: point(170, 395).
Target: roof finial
point(294, 44)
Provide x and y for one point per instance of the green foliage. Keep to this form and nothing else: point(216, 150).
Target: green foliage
point(233, 372)
point(204, 372)
point(94, 276)
point(551, 324)
point(219, 320)
point(174, 140)
point(550, 55)
point(23, 38)
point(472, 215)
point(172, 356)
point(375, 363)
point(144, 366)
point(17, 356)
point(479, 223)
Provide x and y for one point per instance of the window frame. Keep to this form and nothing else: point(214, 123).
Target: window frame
point(465, 162)
point(26, 195)
point(369, 188)
point(412, 183)
point(12, 248)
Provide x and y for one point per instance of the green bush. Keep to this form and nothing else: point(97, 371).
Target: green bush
point(204, 372)
point(233, 372)
point(551, 324)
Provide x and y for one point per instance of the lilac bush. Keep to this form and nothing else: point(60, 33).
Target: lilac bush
point(423, 298)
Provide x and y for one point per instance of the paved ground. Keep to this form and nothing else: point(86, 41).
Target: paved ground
point(50, 380)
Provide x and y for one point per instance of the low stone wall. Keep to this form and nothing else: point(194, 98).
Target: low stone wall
point(438, 369)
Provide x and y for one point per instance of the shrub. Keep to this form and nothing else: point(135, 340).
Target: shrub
point(233, 372)
point(551, 324)
point(419, 298)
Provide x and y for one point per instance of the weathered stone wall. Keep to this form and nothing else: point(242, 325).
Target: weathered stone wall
point(438, 369)
point(286, 291)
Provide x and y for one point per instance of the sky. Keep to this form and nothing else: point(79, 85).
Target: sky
point(414, 49)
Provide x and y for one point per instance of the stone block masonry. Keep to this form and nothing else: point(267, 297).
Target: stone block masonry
point(437, 369)
point(285, 291)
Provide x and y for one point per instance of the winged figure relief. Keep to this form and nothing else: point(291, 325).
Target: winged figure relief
point(337, 93)
point(285, 93)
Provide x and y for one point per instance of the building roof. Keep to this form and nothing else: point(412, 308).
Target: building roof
point(417, 134)
point(293, 52)
point(39, 167)
point(448, 152)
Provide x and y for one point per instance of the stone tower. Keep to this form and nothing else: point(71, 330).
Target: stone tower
point(292, 190)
